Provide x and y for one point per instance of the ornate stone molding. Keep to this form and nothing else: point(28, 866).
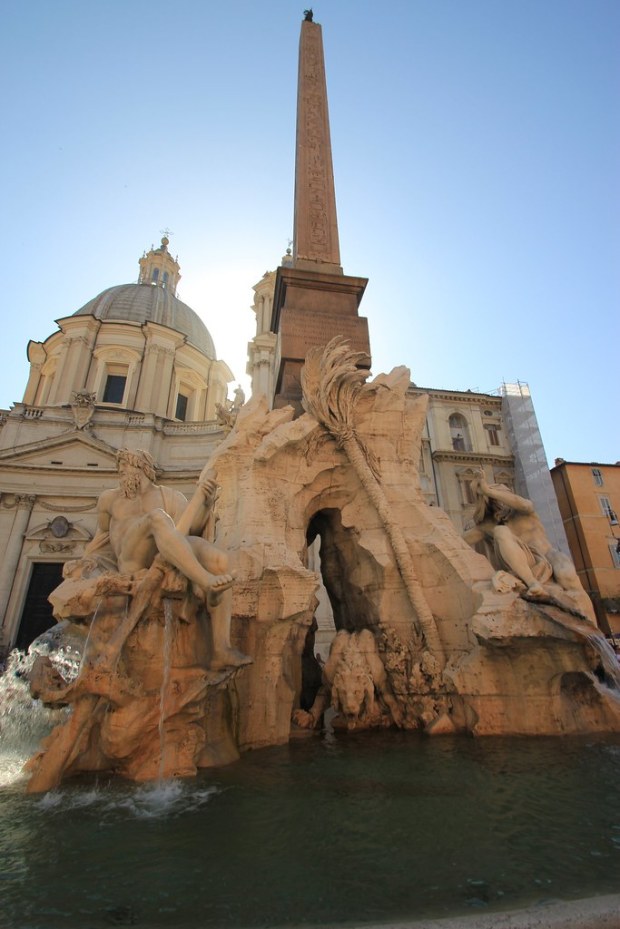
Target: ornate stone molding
point(474, 458)
point(56, 547)
point(162, 350)
point(32, 412)
point(202, 428)
point(82, 407)
point(63, 508)
point(457, 396)
point(18, 501)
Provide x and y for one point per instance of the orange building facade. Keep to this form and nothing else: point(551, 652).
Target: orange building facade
point(589, 501)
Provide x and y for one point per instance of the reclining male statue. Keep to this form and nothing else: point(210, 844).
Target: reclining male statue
point(140, 520)
point(510, 523)
point(148, 546)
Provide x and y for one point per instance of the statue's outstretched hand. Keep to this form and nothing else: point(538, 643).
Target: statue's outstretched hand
point(208, 487)
point(480, 482)
point(207, 484)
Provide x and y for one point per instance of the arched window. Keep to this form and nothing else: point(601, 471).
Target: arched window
point(459, 433)
point(155, 276)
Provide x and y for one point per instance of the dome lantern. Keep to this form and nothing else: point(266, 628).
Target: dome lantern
point(159, 269)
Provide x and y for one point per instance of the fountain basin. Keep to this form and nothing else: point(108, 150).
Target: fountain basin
point(341, 830)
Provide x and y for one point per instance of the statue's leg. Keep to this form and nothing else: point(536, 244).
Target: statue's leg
point(564, 570)
point(177, 549)
point(515, 558)
point(219, 604)
point(565, 574)
point(224, 655)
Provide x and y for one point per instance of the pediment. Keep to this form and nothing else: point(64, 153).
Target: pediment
point(76, 451)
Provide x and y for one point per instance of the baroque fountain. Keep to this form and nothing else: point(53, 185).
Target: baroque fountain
point(191, 632)
point(431, 636)
point(195, 624)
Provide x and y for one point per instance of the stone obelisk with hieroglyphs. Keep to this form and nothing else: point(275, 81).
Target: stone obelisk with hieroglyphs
point(313, 301)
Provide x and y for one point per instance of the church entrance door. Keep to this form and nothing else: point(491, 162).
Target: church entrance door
point(37, 613)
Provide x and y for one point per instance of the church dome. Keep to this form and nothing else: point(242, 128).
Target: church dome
point(148, 302)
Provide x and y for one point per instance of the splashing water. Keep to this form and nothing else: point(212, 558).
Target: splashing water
point(609, 660)
point(168, 618)
point(85, 650)
point(24, 722)
point(151, 801)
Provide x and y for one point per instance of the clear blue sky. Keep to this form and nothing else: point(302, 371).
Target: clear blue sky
point(476, 152)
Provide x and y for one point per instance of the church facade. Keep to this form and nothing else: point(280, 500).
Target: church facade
point(135, 367)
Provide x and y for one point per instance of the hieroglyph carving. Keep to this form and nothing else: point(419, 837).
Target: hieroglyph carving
point(314, 239)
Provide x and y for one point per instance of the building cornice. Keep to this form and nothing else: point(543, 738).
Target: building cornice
point(457, 396)
point(584, 464)
point(474, 458)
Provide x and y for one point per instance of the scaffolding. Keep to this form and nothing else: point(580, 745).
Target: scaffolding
point(532, 477)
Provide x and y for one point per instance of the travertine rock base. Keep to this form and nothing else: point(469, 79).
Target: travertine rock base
point(426, 639)
point(156, 712)
point(503, 665)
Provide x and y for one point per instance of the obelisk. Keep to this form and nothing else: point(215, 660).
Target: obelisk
point(314, 301)
point(315, 238)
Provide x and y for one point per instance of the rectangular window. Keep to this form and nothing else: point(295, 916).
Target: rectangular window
point(181, 410)
point(598, 477)
point(114, 390)
point(493, 435)
point(607, 510)
point(467, 492)
point(614, 551)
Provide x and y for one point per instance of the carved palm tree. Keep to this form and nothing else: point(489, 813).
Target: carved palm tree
point(332, 384)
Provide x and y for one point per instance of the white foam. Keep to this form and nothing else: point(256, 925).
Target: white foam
point(163, 799)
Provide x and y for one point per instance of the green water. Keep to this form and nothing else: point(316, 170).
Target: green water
point(369, 827)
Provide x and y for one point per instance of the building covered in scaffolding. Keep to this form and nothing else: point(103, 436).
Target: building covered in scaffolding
point(498, 432)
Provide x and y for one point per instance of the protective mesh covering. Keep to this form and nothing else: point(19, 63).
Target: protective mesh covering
point(532, 477)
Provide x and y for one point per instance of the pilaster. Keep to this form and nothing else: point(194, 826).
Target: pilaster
point(23, 504)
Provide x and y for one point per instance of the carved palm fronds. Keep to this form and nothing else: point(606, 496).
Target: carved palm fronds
point(332, 384)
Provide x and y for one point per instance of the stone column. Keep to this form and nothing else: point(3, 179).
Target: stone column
point(34, 379)
point(23, 508)
point(65, 380)
point(167, 382)
point(144, 393)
